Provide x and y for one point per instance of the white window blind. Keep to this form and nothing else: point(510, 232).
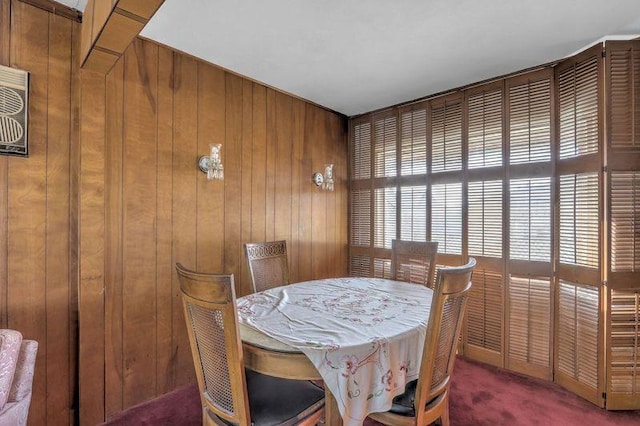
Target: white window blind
point(579, 220)
point(413, 142)
point(446, 217)
point(384, 217)
point(530, 122)
point(361, 163)
point(485, 129)
point(446, 137)
point(385, 147)
point(485, 218)
point(578, 106)
point(530, 219)
point(413, 213)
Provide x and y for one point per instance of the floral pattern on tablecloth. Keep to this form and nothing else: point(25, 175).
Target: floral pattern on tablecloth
point(364, 335)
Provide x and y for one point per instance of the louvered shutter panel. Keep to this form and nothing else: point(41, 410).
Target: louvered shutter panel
point(483, 337)
point(485, 218)
point(530, 219)
point(361, 152)
point(580, 220)
point(413, 213)
point(623, 72)
point(382, 268)
point(385, 135)
point(413, 142)
point(360, 266)
point(579, 337)
point(485, 129)
point(361, 218)
point(529, 325)
point(530, 122)
point(446, 135)
point(384, 217)
point(623, 372)
point(446, 217)
point(578, 107)
point(625, 229)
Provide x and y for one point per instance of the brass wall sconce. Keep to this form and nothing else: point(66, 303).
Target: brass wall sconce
point(212, 164)
point(326, 180)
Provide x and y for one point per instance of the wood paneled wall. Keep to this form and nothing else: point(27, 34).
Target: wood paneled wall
point(144, 206)
point(93, 221)
point(37, 288)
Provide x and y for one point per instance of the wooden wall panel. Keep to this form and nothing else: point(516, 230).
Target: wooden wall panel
point(35, 226)
point(163, 109)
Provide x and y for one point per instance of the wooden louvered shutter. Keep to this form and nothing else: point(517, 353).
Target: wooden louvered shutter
point(446, 178)
point(413, 213)
point(360, 225)
point(528, 344)
point(413, 142)
point(483, 337)
point(623, 211)
point(579, 338)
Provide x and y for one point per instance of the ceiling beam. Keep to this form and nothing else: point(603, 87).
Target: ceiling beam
point(109, 26)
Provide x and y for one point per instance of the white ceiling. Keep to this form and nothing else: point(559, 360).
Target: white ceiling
point(355, 56)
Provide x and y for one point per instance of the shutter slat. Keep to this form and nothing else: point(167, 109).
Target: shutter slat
point(530, 122)
point(485, 129)
point(624, 88)
point(446, 137)
point(361, 218)
point(359, 266)
point(413, 144)
point(624, 352)
point(446, 217)
point(625, 221)
point(485, 310)
point(384, 217)
point(361, 156)
point(485, 218)
point(530, 219)
point(413, 213)
point(385, 147)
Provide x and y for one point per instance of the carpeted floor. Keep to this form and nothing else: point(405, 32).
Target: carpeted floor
point(480, 395)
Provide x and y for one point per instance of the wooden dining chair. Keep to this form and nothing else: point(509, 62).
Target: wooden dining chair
point(414, 261)
point(229, 393)
point(268, 264)
point(426, 399)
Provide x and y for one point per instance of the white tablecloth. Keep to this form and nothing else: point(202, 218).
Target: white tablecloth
point(364, 335)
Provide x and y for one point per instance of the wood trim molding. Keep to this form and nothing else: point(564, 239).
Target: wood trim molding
point(109, 28)
point(56, 9)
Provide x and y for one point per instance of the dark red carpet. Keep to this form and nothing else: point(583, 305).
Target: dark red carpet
point(480, 395)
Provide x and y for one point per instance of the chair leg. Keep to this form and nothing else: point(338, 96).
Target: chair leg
point(444, 418)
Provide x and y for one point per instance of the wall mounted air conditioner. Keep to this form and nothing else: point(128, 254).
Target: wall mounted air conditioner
point(14, 96)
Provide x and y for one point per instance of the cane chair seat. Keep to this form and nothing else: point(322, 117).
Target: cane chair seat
point(268, 264)
point(414, 261)
point(426, 399)
point(231, 395)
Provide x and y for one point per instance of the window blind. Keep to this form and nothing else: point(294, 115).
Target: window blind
point(413, 142)
point(624, 90)
point(530, 219)
point(485, 218)
point(625, 221)
point(384, 217)
point(578, 106)
point(578, 333)
point(361, 163)
point(530, 122)
point(446, 217)
point(485, 129)
point(385, 132)
point(446, 136)
point(579, 220)
point(413, 213)
point(623, 387)
point(530, 323)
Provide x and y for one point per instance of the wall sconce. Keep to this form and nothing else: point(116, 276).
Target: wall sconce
point(325, 180)
point(212, 164)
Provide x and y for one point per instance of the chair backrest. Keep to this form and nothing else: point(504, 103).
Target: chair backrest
point(210, 312)
point(443, 331)
point(268, 264)
point(414, 261)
